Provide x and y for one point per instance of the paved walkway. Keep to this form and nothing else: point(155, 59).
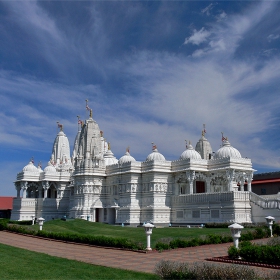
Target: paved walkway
point(111, 257)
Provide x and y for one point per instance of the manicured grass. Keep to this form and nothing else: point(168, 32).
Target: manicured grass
point(18, 263)
point(132, 233)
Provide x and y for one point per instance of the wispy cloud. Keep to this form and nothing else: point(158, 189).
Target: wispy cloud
point(272, 37)
point(197, 37)
point(140, 90)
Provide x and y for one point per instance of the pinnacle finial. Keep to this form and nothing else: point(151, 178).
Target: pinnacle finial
point(204, 130)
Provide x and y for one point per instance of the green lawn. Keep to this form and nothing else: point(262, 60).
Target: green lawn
point(17, 263)
point(132, 233)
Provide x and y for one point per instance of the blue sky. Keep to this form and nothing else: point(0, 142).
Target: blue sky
point(153, 71)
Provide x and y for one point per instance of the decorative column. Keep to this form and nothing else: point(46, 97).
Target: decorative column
point(208, 183)
point(242, 184)
point(190, 174)
point(18, 188)
point(249, 181)
point(230, 174)
point(24, 188)
point(40, 188)
point(46, 187)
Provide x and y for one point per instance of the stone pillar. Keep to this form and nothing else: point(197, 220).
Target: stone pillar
point(230, 174)
point(208, 184)
point(190, 174)
point(242, 184)
point(18, 189)
point(46, 187)
point(249, 181)
point(24, 188)
point(40, 188)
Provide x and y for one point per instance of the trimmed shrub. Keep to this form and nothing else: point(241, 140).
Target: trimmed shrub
point(217, 225)
point(175, 270)
point(260, 253)
point(27, 223)
point(214, 239)
point(276, 229)
point(93, 240)
point(3, 224)
point(233, 253)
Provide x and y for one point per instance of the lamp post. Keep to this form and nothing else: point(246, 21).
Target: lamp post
point(235, 233)
point(269, 221)
point(149, 229)
point(41, 222)
point(33, 219)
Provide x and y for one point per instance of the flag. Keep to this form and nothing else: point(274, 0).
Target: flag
point(87, 107)
point(80, 122)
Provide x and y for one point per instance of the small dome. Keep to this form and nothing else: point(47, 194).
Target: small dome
point(126, 158)
point(155, 155)
point(190, 153)
point(110, 158)
point(50, 168)
point(227, 151)
point(30, 167)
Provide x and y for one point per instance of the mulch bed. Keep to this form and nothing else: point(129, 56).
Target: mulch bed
point(226, 259)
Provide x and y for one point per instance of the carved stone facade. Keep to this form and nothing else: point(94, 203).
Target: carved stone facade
point(198, 188)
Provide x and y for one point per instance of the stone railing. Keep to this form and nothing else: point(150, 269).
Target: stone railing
point(203, 197)
point(211, 197)
point(265, 203)
point(24, 202)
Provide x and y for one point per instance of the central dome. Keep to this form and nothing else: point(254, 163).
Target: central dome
point(190, 153)
point(227, 151)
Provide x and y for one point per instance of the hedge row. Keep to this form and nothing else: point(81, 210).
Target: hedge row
point(269, 254)
point(78, 238)
point(258, 233)
point(207, 271)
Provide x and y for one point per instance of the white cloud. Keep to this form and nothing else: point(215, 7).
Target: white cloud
point(221, 16)
point(207, 9)
point(197, 37)
point(272, 37)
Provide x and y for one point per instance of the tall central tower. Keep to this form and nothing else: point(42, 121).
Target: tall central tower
point(88, 193)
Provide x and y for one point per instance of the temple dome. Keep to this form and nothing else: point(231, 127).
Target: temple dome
point(50, 168)
point(110, 158)
point(126, 158)
point(30, 167)
point(227, 151)
point(190, 153)
point(155, 155)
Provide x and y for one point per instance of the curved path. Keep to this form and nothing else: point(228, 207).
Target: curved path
point(114, 257)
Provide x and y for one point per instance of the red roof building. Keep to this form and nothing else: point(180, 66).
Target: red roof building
point(6, 206)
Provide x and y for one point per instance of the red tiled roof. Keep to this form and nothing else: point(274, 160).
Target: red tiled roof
point(6, 202)
point(266, 181)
